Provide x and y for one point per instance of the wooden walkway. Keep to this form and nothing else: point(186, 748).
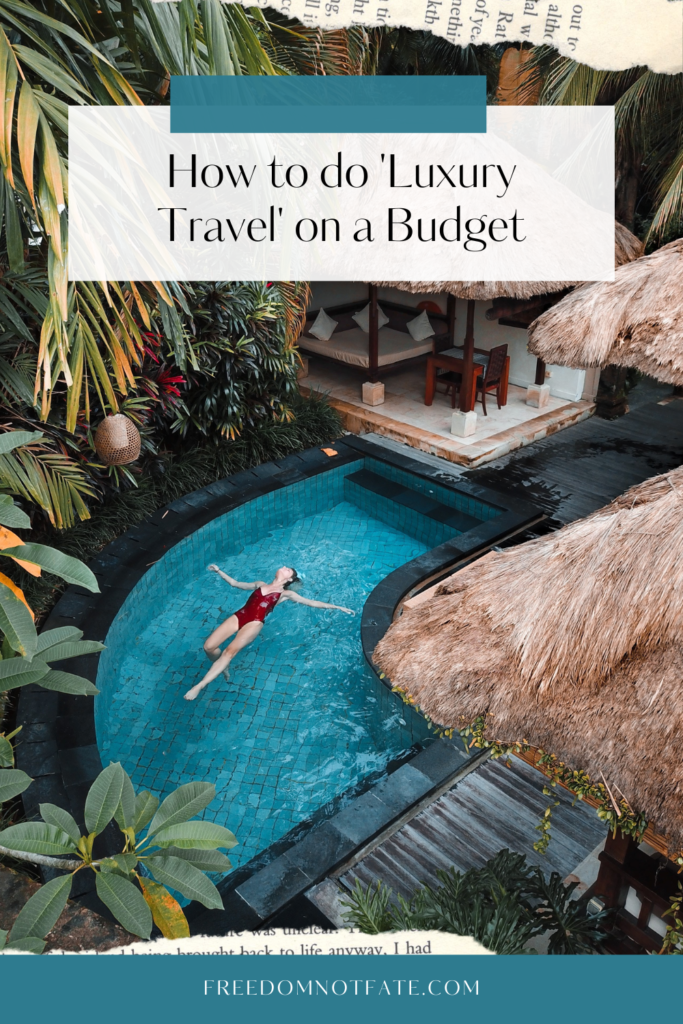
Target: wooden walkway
point(576, 471)
point(492, 808)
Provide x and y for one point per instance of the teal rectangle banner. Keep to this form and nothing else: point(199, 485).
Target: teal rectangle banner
point(336, 989)
point(323, 104)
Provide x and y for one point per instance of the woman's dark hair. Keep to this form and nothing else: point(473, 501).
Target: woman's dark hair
point(295, 579)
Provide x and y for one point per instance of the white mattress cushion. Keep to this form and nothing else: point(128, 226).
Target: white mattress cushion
point(352, 347)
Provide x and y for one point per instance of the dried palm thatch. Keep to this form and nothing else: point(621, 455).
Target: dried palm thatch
point(635, 320)
point(573, 642)
point(626, 248)
point(480, 290)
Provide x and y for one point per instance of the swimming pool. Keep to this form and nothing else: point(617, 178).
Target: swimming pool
point(303, 719)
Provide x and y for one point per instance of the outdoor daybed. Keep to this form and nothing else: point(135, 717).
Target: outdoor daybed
point(385, 346)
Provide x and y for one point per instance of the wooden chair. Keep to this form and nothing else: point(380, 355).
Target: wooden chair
point(490, 380)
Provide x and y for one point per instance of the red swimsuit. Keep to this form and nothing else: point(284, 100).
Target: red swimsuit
point(257, 607)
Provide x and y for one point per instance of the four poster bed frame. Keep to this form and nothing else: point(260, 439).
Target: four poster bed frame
point(390, 348)
point(353, 347)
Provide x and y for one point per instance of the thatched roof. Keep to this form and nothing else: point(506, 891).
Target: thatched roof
point(626, 248)
point(635, 320)
point(485, 290)
point(573, 642)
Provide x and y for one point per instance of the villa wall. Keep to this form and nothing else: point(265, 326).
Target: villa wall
point(566, 383)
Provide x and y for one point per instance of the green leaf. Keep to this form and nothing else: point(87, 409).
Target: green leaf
point(31, 944)
point(3, 938)
point(125, 812)
point(65, 682)
point(126, 903)
point(11, 515)
point(16, 621)
point(35, 837)
point(13, 240)
point(119, 863)
point(43, 910)
point(166, 911)
point(71, 649)
point(54, 815)
point(70, 569)
point(103, 798)
point(183, 804)
point(205, 860)
point(196, 835)
point(6, 753)
point(12, 783)
point(187, 879)
point(52, 637)
point(145, 807)
point(20, 672)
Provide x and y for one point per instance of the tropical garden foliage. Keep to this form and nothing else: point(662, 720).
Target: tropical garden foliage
point(173, 852)
point(648, 110)
point(70, 353)
point(503, 905)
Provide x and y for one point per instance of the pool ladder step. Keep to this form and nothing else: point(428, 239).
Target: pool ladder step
point(423, 504)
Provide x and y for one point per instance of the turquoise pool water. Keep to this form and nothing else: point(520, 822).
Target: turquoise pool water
point(302, 719)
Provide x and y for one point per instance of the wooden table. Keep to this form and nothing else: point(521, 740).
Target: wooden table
point(443, 361)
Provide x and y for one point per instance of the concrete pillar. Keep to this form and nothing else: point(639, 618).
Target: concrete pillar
point(373, 393)
point(463, 423)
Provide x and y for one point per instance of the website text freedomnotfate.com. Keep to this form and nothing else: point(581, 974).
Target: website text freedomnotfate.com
point(339, 987)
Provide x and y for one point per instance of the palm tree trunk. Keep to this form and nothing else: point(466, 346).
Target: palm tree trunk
point(627, 179)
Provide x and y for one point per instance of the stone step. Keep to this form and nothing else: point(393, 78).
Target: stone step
point(423, 504)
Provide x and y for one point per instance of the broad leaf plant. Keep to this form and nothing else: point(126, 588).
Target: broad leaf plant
point(174, 853)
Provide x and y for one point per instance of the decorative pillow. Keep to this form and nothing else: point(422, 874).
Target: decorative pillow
point(323, 327)
point(362, 318)
point(420, 328)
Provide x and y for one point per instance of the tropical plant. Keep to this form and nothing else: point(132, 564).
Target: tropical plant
point(26, 657)
point(245, 368)
point(648, 109)
point(673, 939)
point(174, 852)
point(16, 618)
point(71, 353)
point(503, 905)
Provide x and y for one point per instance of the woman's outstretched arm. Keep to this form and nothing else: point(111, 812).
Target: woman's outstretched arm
point(235, 583)
point(289, 596)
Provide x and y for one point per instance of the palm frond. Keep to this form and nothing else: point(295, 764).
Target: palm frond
point(50, 479)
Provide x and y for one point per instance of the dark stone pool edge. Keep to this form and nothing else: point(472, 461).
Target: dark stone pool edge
point(58, 745)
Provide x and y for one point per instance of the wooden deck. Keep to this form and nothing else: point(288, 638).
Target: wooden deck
point(580, 469)
point(492, 808)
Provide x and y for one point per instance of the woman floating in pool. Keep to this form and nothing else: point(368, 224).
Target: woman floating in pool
point(247, 623)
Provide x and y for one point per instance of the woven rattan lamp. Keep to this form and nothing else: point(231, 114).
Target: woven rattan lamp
point(117, 440)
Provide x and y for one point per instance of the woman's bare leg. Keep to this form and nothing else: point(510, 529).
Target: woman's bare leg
point(212, 645)
point(244, 637)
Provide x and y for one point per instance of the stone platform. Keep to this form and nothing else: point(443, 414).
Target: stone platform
point(405, 418)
